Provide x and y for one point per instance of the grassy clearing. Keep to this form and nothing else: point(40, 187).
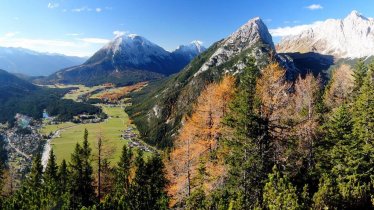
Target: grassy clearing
point(82, 90)
point(110, 130)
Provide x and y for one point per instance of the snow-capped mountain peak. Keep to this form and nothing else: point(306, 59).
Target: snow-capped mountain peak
point(191, 50)
point(198, 45)
point(351, 37)
point(354, 15)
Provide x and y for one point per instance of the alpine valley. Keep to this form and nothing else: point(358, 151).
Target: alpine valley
point(243, 124)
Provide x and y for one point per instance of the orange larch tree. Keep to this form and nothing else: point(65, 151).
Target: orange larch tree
point(198, 138)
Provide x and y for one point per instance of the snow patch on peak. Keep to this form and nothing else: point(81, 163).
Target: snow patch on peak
point(193, 48)
point(355, 15)
point(133, 36)
point(351, 37)
point(198, 45)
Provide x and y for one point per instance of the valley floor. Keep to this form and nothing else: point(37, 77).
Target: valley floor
point(115, 131)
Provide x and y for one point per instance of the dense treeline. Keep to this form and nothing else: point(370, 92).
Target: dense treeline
point(257, 141)
point(136, 182)
point(284, 145)
point(34, 102)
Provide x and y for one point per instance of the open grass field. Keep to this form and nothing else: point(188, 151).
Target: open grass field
point(82, 90)
point(110, 130)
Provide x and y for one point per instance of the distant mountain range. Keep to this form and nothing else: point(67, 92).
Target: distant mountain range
point(351, 37)
point(32, 63)
point(126, 60)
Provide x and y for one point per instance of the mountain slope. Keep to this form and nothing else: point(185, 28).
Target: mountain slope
point(28, 62)
point(20, 96)
point(125, 60)
point(351, 37)
point(159, 109)
point(12, 86)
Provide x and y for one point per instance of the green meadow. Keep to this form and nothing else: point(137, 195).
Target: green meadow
point(110, 131)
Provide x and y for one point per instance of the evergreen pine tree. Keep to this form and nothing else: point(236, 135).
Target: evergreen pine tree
point(337, 139)
point(327, 196)
point(364, 109)
point(139, 185)
point(51, 192)
point(279, 193)
point(76, 178)
point(36, 175)
point(51, 170)
point(359, 74)
point(248, 143)
point(63, 176)
point(123, 171)
point(156, 183)
point(88, 189)
point(81, 189)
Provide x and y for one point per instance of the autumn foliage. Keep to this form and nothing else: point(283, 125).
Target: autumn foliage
point(198, 138)
point(116, 94)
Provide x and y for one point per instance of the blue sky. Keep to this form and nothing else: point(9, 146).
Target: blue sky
point(80, 27)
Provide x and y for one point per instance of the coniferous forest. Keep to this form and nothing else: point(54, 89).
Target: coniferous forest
point(255, 140)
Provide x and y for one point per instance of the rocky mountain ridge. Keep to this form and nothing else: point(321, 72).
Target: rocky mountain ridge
point(351, 37)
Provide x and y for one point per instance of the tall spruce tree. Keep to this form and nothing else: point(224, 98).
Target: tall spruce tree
point(63, 177)
point(359, 74)
point(364, 109)
point(123, 171)
point(337, 137)
point(249, 162)
point(35, 179)
point(50, 185)
point(51, 170)
point(81, 189)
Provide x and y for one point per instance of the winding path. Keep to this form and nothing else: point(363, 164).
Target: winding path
point(48, 147)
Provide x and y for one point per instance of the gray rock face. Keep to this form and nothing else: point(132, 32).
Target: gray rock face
point(249, 35)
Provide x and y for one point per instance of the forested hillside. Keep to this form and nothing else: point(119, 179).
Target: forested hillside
point(279, 145)
point(20, 96)
point(253, 141)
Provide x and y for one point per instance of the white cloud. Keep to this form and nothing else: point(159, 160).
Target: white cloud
point(95, 40)
point(119, 33)
point(290, 30)
point(314, 7)
point(294, 21)
point(73, 47)
point(11, 34)
point(82, 9)
point(72, 34)
point(52, 5)
point(89, 9)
